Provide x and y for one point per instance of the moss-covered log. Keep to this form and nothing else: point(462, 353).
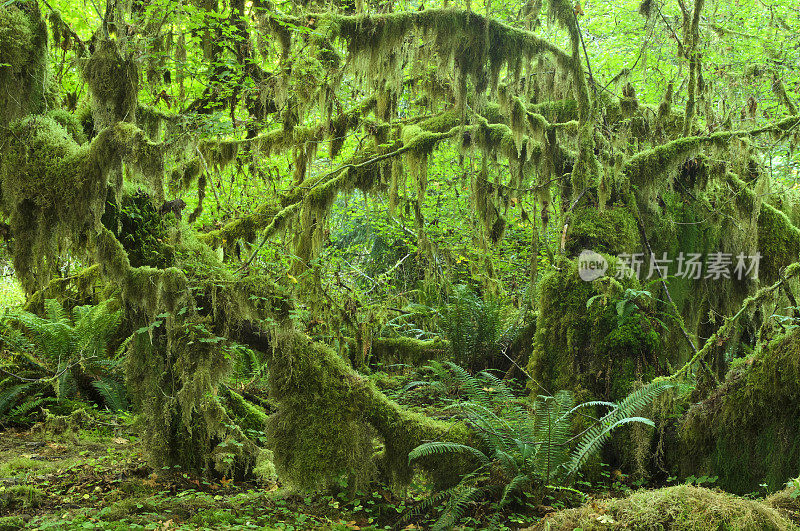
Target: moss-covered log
point(328, 416)
point(384, 351)
point(681, 507)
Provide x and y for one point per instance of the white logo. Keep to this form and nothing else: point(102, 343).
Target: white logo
point(591, 265)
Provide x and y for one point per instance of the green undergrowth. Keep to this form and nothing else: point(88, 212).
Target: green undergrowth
point(98, 478)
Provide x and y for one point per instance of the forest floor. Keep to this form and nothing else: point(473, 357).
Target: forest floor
point(89, 472)
point(96, 477)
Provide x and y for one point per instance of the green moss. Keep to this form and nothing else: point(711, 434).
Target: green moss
point(248, 415)
point(51, 192)
point(556, 111)
point(317, 433)
point(680, 508)
point(18, 497)
point(665, 107)
point(16, 36)
point(778, 242)
point(330, 417)
point(407, 350)
point(70, 123)
point(746, 432)
point(25, 86)
point(54, 191)
point(591, 348)
point(11, 523)
point(611, 231)
point(629, 106)
point(113, 82)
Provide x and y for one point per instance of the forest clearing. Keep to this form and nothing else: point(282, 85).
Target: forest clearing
point(356, 265)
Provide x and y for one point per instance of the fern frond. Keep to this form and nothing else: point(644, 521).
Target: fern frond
point(55, 311)
point(9, 396)
point(14, 339)
point(443, 447)
point(454, 510)
point(65, 385)
point(22, 410)
point(591, 441)
point(519, 482)
point(589, 446)
point(113, 394)
point(471, 386)
point(593, 403)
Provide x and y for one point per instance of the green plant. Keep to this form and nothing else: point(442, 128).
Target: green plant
point(59, 357)
point(474, 327)
point(524, 447)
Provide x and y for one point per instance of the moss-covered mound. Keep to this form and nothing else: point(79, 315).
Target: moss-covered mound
point(683, 507)
point(747, 431)
point(592, 337)
point(612, 230)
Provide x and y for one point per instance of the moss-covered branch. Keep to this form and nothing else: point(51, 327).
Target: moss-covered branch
point(725, 330)
point(657, 165)
point(326, 416)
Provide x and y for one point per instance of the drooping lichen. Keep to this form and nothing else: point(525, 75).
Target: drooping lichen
point(113, 82)
point(24, 82)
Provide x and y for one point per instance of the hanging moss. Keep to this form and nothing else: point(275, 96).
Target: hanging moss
point(113, 83)
point(179, 351)
point(657, 167)
point(24, 84)
point(778, 242)
point(556, 111)
point(665, 107)
point(586, 171)
point(185, 175)
point(777, 238)
point(79, 289)
point(746, 432)
point(218, 153)
point(55, 190)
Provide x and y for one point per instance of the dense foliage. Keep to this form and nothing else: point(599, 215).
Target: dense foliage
point(340, 247)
